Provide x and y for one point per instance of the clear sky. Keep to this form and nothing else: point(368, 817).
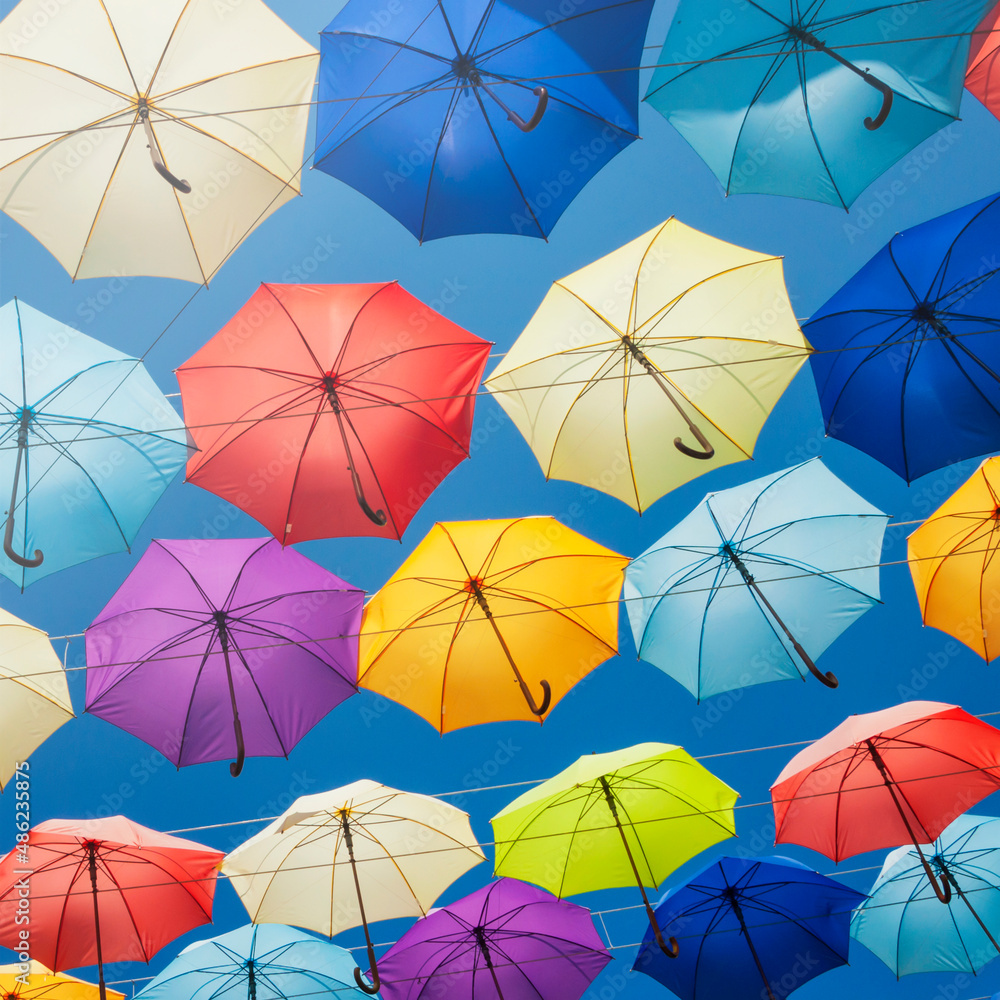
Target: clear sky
point(492, 285)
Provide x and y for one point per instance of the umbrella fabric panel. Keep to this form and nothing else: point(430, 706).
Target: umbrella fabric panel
point(979, 77)
point(40, 983)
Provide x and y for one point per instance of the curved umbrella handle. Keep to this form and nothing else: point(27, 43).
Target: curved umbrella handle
point(673, 949)
point(537, 709)
point(378, 516)
point(8, 535)
point(372, 988)
point(237, 766)
point(690, 452)
point(543, 102)
point(829, 678)
point(8, 547)
point(154, 153)
point(943, 892)
point(886, 91)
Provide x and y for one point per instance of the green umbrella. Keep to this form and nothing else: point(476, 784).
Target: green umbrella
point(611, 819)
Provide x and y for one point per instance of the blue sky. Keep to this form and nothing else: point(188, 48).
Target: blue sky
point(492, 285)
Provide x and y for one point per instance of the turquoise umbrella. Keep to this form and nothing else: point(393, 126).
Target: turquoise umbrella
point(903, 923)
point(756, 581)
point(87, 445)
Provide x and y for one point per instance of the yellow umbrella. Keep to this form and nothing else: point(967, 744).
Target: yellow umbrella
point(484, 613)
point(33, 981)
point(676, 336)
point(954, 566)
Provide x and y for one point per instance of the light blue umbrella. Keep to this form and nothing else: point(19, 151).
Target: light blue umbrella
point(756, 581)
point(257, 962)
point(87, 445)
point(905, 925)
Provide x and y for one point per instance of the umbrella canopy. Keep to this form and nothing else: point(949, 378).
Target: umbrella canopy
point(478, 116)
point(150, 141)
point(952, 563)
point(614, 819)
point(493, 612)
point(35, 696)
point(104, 890)
point(504, 941)
point(260, 961)
point(743, 921)
point(342, 858)
point(811, 101)
point(676, 336)
point(886, 778)
point(904, 925)
point(329, 410)
point(33, 981)
point(756, 581)
point(981, 76)
point(211, 648)
point(908, 351)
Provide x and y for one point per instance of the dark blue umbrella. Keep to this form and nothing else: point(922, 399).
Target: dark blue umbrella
point(478, 116)
point(907, 359)
point(743, 921)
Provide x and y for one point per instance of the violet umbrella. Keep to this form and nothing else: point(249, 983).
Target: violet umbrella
point(216, 648)
point(505, 941)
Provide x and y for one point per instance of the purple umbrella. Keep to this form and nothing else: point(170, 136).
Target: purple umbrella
point(506, 941)
point(216, 648)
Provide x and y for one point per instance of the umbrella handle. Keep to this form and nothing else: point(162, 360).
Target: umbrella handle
point(886, 91)
point(375, 985)
point(673, 949)
point(154, 153)
point(691, 452)
point(8, 535)
point(943, 894)
point(526, 126)
point(537, 709)
point(235, 767)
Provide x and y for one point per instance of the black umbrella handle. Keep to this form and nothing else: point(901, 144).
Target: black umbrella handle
point(154, 151)
point(241, 750)
point(706, 454)
point(8, 535)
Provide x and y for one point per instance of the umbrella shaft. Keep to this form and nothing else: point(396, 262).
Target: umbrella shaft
point(348, 840)
point(92, 864)
point(481, 941)
point(635, 871)
point(738, 910)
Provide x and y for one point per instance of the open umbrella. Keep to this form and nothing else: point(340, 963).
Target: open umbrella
point(103, 890)
point(33, 981)
point(256, 962)
point(615, 819)
point(359, 853)
point(504, 941)
point(474, 116)
point(485, 614)
point(982, 77)
point(902, 922)
point(676, 336)
point(813, 101)
point(88, 444)
point(952, 558)
point(887, 778)
point(907, 359)
point(211, 648)
point(149, 140)
point(744, 921)
point(34, 695)
point(329, 410)
point(756, 581)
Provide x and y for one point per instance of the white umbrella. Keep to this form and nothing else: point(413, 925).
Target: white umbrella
point(149, 138)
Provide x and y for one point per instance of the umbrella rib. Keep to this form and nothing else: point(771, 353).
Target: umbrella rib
point(314, 423)
point(392, 41)
point(194, 692)
point(448, 115)
point(298, 330)
point(260, 694)
point(911, 360)
point(946, 259)
point(238, 579)
point(346, 339)
point(201, 590)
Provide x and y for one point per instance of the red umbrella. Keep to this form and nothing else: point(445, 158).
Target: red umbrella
point(983, 75)
point(91, 891)
point(887, 778)
point(330, 410)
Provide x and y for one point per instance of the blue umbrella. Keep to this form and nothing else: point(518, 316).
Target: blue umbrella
point(811, 100)
point(257, 962)
point(478, 116)
point(907, 359)
point(740, 921)
point(904, 924)
point(756, 581)
point(87, 443)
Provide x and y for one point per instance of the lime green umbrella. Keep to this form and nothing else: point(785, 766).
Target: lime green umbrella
point(611, 819)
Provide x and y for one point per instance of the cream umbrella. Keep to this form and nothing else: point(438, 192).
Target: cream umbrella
point(34, 696)
point(149, 138)
point(675, 337)
point(346, 857)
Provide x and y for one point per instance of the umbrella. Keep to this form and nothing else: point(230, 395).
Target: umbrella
point(887, 778)
point(749, 920)
point(505, 941)
point(103, 890)
point(150, 141)
point(35, 700)
point(674, 336)
point(403, 850)
point(33, 981)
point(215, 647)
point(475, 116)
point(982, 62)
point(811, 101)
point(87, 443)
point(953, 566)
point(904, 926)
point(908, 350)
point(329, 410)
point(756, 581)
point(489, 611)
point(611, 819)
point(260, 962)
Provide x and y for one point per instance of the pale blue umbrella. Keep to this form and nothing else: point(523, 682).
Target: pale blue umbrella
point(905, 925)
point(756, 581)
point(87, 445)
